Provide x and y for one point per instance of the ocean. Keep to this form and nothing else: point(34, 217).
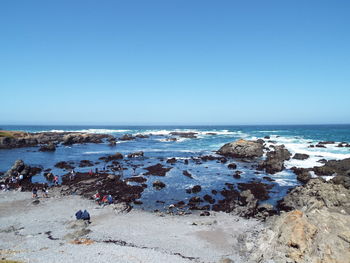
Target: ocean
point(210, 175)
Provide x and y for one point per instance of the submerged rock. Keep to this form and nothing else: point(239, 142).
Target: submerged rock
point(157, 170)
point(51, 147)
point(158, 185)
point(242, 149)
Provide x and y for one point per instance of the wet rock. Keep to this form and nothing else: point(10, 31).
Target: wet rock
point(158, 185)
point(136, 179)
point(267, 137)
point(127, 137)
point(194, 200)
point(85, 163)
point(51, 147)
point(186, 173)
point(171, 160)
point(113, 157)
point(242, 149)
point(191, 135)
point(209, 199)
point(274, 161)
point(64, 165)
point(142, 136)
point(136, 154)
point(196, 189)
point(341, 167)
point(237, 175)
point(269, 179)
point(259, 190)
point(327, 142)
point(186, 162)
point(232, 166)
point(171, 139)
point(301, 156)
point(157, 170)
point(317, 194)
point(320, 146)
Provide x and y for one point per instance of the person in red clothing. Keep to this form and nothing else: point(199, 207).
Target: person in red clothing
point(97, 197)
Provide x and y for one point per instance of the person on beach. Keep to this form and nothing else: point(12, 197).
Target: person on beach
point(90, 172)
point(72, 175)
point(96, 171)
point(35, 192)
point(55, 180)
point(97, 197)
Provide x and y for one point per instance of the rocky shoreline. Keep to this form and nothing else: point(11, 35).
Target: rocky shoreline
point(298, 228)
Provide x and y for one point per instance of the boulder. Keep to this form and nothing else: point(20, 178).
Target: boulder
point(242, 149)
point(301, 156)
point(232, 166)
point(158, 185)
point(51, 147)
point(274, 161)
point(186, 173)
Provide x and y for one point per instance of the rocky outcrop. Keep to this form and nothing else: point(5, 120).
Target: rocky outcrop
point(242, 149)
point(20, 168)
point(274, 161)
point(11, 139)
point(317, 194)
point(316, 230)
point(341, 167)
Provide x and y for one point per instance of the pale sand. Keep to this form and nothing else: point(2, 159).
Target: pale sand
point(142, 236)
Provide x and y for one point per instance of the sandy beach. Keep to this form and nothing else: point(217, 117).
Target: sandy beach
point(49, 232)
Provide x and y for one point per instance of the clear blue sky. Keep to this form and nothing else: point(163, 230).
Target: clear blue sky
point(174, 61)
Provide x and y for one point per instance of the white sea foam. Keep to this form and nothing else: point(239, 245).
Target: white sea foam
point(199, 133)
point(300, 145)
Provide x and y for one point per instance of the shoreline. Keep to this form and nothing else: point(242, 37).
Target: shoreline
point(36, 232)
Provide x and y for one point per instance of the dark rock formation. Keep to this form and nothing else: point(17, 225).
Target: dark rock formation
point(301, 156)
point(127, 137)
point(64, 165)
point(191, 135)
point(157, 170)
point(85, 163)
point(274, 161)
point(158, 185)
point(116, 156)
point(136, 154)
point(232, 166)
point(51, 147)
point(171, 160)
point(186, 173)
point(136, 179)
point(242, 149)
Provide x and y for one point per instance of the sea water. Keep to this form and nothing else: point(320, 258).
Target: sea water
point(211, 175)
